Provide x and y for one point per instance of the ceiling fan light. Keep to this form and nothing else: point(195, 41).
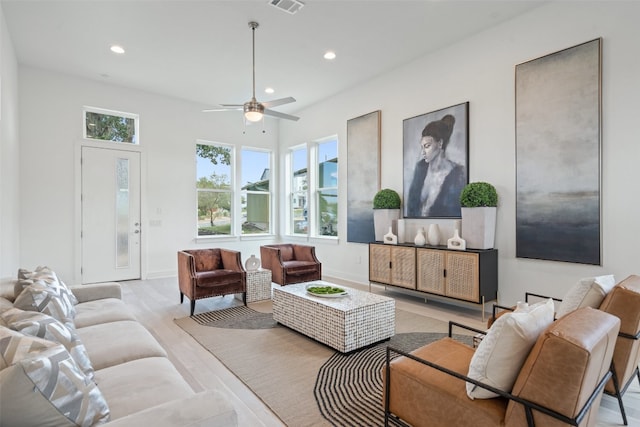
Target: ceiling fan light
point(253, 116)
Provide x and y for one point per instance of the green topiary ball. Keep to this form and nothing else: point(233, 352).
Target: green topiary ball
point(478, 194)
point(386, 199)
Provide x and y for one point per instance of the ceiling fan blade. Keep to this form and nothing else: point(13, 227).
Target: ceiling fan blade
point(222, 109)
point(281, 115)
point(277, 102)
point(232, 105)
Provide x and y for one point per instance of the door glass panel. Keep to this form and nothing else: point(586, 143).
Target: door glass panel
point(122, 213)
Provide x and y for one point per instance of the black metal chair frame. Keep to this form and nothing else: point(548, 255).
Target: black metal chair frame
point(619, 392)
point(529, 406)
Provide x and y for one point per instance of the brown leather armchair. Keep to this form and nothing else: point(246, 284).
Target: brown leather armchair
point(624, 302)
point(204, 273)
point(291, 263)
point(560, 383)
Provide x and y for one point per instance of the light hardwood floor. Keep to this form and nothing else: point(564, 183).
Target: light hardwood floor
point(156, 303)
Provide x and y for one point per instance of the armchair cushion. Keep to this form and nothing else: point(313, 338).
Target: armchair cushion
point(217, 278)
point(501, 354)
point(587, 292)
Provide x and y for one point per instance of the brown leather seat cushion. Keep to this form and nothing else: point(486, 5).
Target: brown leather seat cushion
point(415, 386)
point(296, 268)
point(213, 278)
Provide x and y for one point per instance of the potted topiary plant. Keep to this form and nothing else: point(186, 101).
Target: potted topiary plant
point(386, 208)
point(479, 201)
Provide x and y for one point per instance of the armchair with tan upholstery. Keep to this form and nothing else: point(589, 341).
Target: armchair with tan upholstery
point(204, 273)
point(291, 263)
point(560, 383)
point(623, 301)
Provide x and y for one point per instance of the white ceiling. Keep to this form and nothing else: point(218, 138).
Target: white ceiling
point(201, 50)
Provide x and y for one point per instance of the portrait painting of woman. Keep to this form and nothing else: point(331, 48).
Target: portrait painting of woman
point(435, 162)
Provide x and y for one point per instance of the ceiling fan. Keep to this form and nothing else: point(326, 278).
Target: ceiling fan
point(254, 110)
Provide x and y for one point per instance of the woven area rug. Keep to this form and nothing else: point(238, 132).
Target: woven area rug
point(305, 383)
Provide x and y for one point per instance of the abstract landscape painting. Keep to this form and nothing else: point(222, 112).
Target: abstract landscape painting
point(558, 144)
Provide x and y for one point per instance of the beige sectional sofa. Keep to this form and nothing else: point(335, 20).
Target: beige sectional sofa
point(131, 370)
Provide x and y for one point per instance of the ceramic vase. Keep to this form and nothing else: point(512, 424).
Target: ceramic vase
point(433, 236)
point(420, 240)
point(252, 263)
point(390, 238)
point(401, 231)
point(456, 242)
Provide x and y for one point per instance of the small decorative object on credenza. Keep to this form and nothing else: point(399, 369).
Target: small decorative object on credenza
point(479, 201)
point(433, 236)
point(400, 229)
point(456, 242)
point(420, 240)
point(386, 209)
point(390, 238)
point(252, 263)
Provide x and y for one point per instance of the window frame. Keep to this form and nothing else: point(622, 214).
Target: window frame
point(269, 193)
point(318, 190)
point(232, 191)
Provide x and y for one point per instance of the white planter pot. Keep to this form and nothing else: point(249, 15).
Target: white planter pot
point(382, 220)
point(479, 227)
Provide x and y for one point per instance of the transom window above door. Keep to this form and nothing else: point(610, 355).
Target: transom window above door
point(108, 125)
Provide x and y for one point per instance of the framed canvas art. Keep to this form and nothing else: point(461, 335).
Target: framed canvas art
point(558, 145)
point(363, 175)
point(435, 162)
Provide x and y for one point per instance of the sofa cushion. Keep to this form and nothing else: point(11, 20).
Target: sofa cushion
point(501, 354)
point(113, 343)
point(5, 305)
point(101, 311)
point(587, 292)
point(46, 299)
point(43, 386)
point(7, 288)
point(139, 384)
point(44, 326)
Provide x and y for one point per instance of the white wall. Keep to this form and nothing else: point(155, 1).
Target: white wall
point(481, 70)
point(9, 155)
point(51, 134)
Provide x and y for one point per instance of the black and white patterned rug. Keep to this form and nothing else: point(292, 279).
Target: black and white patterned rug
point(348, 387)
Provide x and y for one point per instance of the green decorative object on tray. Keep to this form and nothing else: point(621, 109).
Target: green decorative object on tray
point(326, 291)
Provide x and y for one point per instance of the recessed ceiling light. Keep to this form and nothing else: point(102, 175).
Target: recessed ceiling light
point(269, 90)
point(330, 55)
point(117, 49)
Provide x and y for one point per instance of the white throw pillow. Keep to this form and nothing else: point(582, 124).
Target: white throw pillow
point(500, 355)
point(587, 292)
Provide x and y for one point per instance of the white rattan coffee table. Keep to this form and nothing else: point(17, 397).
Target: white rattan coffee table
point(347, 323)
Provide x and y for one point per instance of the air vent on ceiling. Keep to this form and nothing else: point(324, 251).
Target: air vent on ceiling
point(289, 6)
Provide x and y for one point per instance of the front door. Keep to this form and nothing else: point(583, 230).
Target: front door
point(110, 215)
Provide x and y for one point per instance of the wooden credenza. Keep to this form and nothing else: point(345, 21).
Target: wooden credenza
point(470, 275)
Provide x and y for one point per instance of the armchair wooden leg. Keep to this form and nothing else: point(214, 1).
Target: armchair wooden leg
point(244, 298)
point(181, 297)
point(193, 306)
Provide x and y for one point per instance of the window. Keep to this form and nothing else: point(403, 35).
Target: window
point(316, 216)
point(107, 125)
point(327, 187)
point(255, 200)
point(299, 212)
point(214, 188)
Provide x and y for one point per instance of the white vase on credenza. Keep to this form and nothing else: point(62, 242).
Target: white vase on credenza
point(420, 239)
point(433, 235)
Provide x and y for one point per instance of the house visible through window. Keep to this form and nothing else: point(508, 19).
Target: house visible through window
point(255, 199)
point(316, 215)
point(299, 209)
point(214, 187)
point(107, 125)
point(327, 187)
